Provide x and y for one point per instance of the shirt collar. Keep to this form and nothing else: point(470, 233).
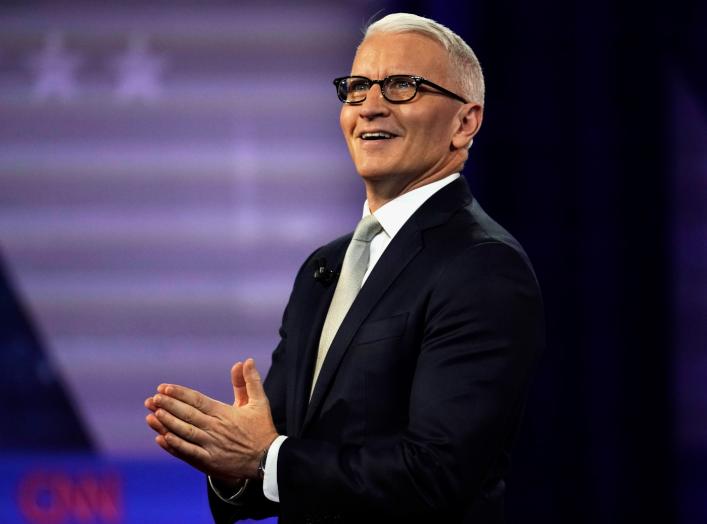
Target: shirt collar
point(393, 215)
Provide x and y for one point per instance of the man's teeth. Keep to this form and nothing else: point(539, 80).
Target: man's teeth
point(378, 135)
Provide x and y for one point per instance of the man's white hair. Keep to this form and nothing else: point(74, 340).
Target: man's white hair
point(463, 60)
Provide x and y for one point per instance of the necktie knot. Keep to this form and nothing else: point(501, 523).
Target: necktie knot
point(367, 228)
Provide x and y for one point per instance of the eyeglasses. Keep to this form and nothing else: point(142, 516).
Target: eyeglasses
point(395, 88)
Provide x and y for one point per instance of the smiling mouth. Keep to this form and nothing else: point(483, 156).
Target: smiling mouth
point(376, 135)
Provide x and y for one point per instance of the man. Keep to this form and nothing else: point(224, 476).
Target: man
point(401, 374)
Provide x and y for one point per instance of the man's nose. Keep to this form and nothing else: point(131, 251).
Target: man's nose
point(375, 103)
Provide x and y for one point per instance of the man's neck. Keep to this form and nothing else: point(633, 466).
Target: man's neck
point(380, 192)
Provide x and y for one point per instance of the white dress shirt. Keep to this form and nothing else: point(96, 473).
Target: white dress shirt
point(392, 217)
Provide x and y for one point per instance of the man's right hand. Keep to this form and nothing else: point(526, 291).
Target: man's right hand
point(224, 441)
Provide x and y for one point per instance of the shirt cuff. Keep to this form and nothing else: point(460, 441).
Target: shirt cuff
point(270, 488)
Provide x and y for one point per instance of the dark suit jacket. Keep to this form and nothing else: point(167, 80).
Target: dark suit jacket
point(422, 390)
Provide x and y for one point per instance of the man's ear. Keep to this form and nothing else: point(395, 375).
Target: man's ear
point(468, 123)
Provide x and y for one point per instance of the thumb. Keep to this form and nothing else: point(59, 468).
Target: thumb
point(253, 383)
point(240, 393)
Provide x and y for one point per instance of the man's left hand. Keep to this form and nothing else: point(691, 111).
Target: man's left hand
point(224, 441)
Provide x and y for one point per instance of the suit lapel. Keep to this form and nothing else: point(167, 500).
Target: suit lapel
point(308, 339)
point(399, 253)
point(406, 244)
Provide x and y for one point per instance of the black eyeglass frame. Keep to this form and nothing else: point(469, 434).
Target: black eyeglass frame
point(418, 81)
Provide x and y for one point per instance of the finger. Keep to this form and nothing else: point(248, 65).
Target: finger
point(163, 444)
point(155, 424)
point(253, 383)
point(162, 441)
point(239, 389)
point(180, 448)
point(180, 428)
point(150, 404)
point(181, 410)
point(189, 396)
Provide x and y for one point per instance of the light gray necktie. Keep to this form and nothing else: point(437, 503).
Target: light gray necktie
point(352, 272)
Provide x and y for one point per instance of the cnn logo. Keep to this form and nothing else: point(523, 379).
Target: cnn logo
point(46, 497)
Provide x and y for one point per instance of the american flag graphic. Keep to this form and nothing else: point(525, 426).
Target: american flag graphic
point(165, 168)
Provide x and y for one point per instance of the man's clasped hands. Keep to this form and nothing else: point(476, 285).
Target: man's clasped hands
point(224, 441)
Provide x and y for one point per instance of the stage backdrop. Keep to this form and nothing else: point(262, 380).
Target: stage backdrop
point(165, 168)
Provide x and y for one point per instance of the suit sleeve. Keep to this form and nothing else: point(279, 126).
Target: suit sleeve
point(483, 329)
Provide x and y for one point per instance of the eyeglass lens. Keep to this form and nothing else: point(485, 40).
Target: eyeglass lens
point(397, 88)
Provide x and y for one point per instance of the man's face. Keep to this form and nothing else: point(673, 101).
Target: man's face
point(421, 129)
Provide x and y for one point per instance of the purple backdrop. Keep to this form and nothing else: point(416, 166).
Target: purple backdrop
point(689, 293)
point(165, 168)
point(163, 175)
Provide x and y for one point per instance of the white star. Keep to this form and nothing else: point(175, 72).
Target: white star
point(138, 72)
point(55, 69)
